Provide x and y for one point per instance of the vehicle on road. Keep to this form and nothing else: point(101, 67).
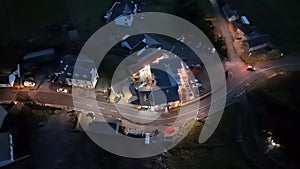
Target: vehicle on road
point(62, 90)
point(117, 98)
point(147, 138)
point(251, 68)
point(28, 83)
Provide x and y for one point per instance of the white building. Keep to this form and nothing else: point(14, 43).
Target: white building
point(78, 71)
point(7, 80)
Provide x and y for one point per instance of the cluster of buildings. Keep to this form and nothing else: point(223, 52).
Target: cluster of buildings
point(253, 42)
point(161, 79)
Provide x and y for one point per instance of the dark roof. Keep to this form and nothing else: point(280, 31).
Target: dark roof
point(132, 90)
point(163, 79)
point(246, 29)
point(40, 53)
point(229, 11)
point(145, 60)
point(158, 96)
point(150, 41)
point(258, 40)
point(83, 66)
point(4, 79)
point(134, 41)
point(4, 146)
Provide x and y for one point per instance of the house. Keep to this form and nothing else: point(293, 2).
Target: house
point(7, 80)
point(124, 20)
point(77, 71)
point(73, 35)
point(36, 58)
point(132, 42)
point(256, 42)
point(137, 42)
point(243, 31)
point(230, 13)
point(122, 13)
point(46, 53)
point(6, 149)
point(158, 81)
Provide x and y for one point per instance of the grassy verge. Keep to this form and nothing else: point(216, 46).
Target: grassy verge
point(218, 152)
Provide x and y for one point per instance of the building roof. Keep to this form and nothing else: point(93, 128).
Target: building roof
point(133, 41)
point(246, 29)
point(245, 20)
point(5, 147)
point(159, 96)
point(151, 41)
point(75, 67)
point(8, 79)
point(163, 79)
point(229, 11)
point(45, 52)
point(73, 34)
point(258, 40)
point(4, 79)
point(147, 59)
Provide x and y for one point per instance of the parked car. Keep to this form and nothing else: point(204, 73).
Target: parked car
point(62, 90)
point(251, 68)
point(117, 98)
point(147, 138)
point(28, 83)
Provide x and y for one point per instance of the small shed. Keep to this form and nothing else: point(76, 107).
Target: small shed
point(6, 149)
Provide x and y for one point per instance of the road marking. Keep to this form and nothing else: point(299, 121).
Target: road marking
point(113, 111)
point(109, 116)
point(102, 108)
point(76, 102)
point(89, 105)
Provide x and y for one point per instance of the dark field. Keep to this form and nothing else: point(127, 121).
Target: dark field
point(44, 21)
point(277, 110)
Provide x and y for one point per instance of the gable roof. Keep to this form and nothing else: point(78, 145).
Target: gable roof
point(133, 41)
point(158, 96)
point(229, 11)
point(4, 79)
point(76, 67)
point(258, 40)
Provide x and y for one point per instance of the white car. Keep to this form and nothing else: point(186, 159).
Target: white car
point(147, 138)
point(251, 68)
point(62, 90)
point(29, 83)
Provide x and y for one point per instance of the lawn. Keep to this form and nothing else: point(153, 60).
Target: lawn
point(279, 18)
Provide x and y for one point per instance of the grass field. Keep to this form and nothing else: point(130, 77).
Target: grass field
point(220, 151)
point(279, 18)
point(277, 110)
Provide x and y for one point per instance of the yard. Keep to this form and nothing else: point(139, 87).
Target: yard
point(279, 18)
